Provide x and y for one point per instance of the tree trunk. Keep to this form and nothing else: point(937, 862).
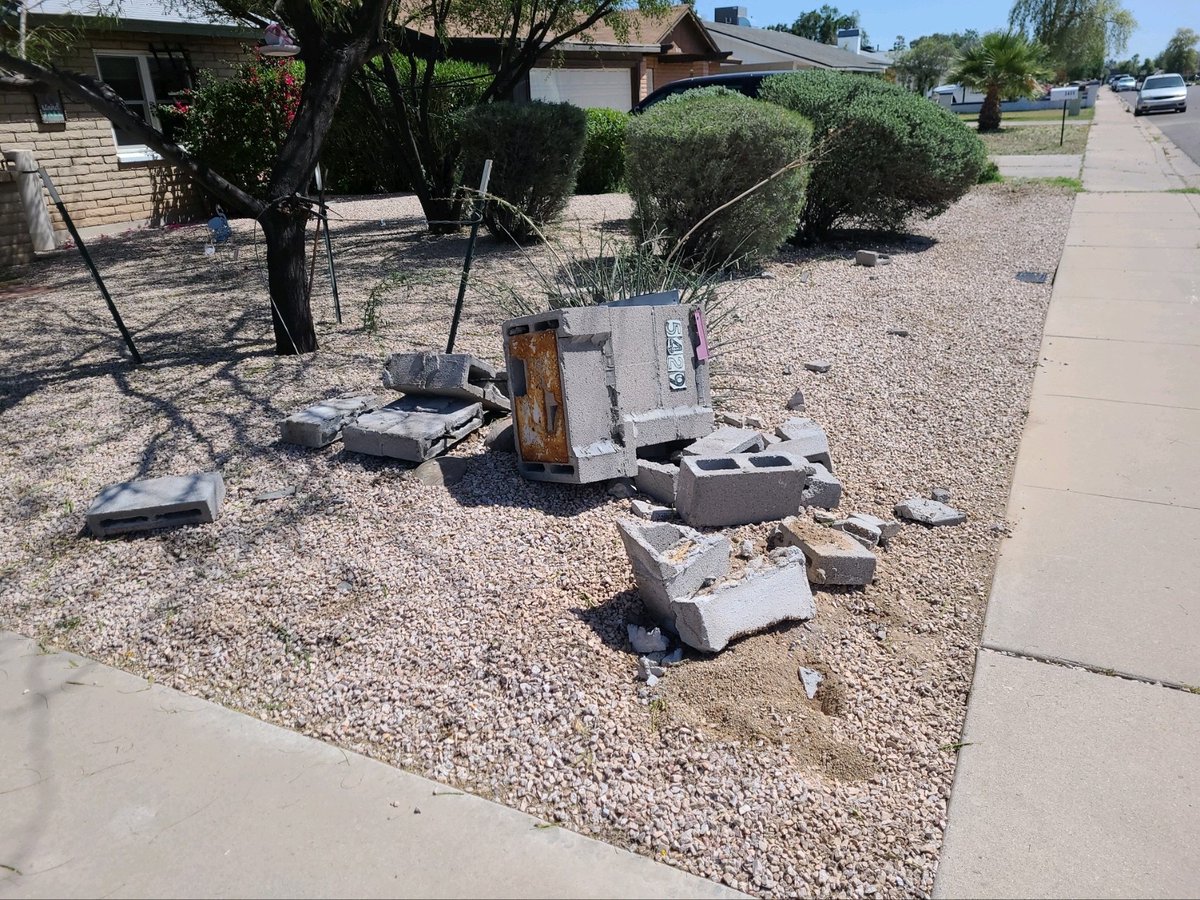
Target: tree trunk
point(989, 113)
point(291, 315)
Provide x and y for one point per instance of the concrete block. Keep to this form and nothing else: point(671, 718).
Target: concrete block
point(806, 438)
point(740, 489)
point(726, 440)
point(822, 490)
point(457, 375)
point(657, 480)
point(929, 512)
point(871, 258)
point(321, 424)
point(834, 557)
point(863, 532)
point(651, 511)
point(413, 428)
point(671, 562)
point(710, 619)
point(887, 528)
point(156, 503)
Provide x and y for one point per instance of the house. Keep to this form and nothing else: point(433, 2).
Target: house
point(760, 48)
point(105, 177)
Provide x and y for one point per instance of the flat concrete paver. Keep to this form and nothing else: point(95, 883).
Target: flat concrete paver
point(1046, 165)
point(1073, 782)
point(1076, 787)
point(112, 787)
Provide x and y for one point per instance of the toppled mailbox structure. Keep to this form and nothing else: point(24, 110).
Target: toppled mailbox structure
point(591, 385)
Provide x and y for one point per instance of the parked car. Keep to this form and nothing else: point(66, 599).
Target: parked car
point(1161, 92)
point(747, 83)
point(1125, 83)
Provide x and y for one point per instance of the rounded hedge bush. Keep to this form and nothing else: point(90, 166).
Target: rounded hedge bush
point(603, 168)
point(535, 150)
point(690, 154)
point(882, 153)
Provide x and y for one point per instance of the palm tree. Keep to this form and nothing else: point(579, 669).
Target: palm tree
point(1003, 64)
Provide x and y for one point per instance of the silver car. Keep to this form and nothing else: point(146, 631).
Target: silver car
point(1161, 92)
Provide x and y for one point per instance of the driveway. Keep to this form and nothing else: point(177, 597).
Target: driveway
point(1182, 128)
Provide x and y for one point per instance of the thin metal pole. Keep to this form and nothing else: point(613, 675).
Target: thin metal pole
point(476, 218)
point(1063, 132)
point(323, 213)
point(87, 258)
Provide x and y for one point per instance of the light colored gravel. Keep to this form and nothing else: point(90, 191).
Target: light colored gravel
point(476, 634)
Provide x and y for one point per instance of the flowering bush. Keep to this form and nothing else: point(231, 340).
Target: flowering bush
point(237, 125)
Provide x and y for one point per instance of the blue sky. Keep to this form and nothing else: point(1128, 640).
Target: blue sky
point(1157, 19)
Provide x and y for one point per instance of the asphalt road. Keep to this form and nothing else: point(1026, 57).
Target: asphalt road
point(1182, 128)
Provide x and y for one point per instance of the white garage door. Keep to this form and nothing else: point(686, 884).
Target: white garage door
point(583, 87)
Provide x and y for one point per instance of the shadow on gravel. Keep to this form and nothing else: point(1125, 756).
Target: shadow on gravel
point(609, 617)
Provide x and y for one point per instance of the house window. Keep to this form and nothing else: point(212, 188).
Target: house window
point(142, 81)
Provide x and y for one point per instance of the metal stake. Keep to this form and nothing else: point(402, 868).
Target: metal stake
point(323, 215)
point(87, 258)
point(476, 218)
point(1063, 132)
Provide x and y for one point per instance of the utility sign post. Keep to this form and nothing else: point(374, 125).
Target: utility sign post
point(1065, 94)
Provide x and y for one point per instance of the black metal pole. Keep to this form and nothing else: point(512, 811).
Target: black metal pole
point(87, 258)
point(1063, 132)
point(324, 223)
point(476, 218)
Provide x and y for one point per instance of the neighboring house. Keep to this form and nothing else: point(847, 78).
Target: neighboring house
point(605, 70)
point(760, 48)
point(108, 178)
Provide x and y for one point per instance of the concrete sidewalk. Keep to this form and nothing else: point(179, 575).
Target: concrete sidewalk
point(1078, 773)
point(1045, 165)
point(110, 786)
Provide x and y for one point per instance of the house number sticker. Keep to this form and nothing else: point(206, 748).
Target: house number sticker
point(676, 376)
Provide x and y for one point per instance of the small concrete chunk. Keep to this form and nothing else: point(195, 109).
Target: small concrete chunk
point(671, 561)
point(649, 671)
point(820, 366)
point(621, 489)
point(834, 557)
point(657, 480)
point(806, 438)
point(726, 440)
point(796, 404)
point(811, 679)
point(887, 528)
point(822, 489)
point(929, 512)
point(651, 511)
point(413, 428)
point(871, 258)
point(643, 641)
point(457, 375)
point(442, 472)
point(321, 424)
point(501, 437)
point(709, 620)
point(156, 503)
point(940, 494)
point(740, 489)
point(735, 419)
point(897, 332)
point(863, 532)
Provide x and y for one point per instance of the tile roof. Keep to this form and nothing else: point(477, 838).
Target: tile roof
point(787, 44)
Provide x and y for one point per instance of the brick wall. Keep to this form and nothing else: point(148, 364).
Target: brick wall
point(666, 72)
point(15, 247)
point(81, 154)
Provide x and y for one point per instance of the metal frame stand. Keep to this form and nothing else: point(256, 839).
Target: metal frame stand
point(323, 222)
point(87, 258)
point(476, 218)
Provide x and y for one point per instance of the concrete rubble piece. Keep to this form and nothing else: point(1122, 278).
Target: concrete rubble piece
point(741, 489)
point(929, 512)
point(726, 440)
point(413, 428)
point(657, 480)
point(456, 375)
point(321, 424)
point(681, 576)
point(806, 438)
point(156, 503)
point(823, 490)
point(834, 557)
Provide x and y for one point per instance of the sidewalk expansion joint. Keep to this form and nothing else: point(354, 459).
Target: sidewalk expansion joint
point(1088, 667)
point(1124, 402)
point(1046, 487)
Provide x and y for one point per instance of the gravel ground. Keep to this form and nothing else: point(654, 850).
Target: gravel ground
point(475, 634)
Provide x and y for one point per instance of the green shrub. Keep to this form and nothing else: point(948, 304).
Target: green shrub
point(990, 173)
point(603, 167)
point(691, 154)
point(535, 150)
point(882, 153)
point(236, 125)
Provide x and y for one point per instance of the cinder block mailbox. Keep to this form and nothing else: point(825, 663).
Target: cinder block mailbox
point(591, 385)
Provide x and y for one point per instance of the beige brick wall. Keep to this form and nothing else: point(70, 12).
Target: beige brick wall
point(81, 155)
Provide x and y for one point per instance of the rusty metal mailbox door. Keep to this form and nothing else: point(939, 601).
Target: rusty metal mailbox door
point(537, 397)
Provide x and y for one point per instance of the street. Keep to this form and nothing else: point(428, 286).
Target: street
point(1182, 128)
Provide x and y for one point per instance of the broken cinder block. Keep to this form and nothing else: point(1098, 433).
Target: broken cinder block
point(834, 557)
point(710, 619)
point(156, 503)
point(671, 562)
point(321, 424)
point(413, 428)
point(726, 440)
point(806, 438)
point(657, 480)
point(929, 512)
point(822, 489)
point(871, 258)
point(458, 375)
point(740, 489)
